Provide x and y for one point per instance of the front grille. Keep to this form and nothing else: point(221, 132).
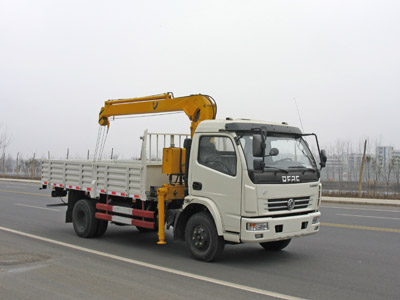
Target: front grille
point(282, 204)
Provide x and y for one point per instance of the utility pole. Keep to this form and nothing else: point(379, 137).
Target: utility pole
point(361, 170)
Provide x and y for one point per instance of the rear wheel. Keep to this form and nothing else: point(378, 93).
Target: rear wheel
point(202, 238)
point(275, 246)
point(101, 228)
point(83, 219)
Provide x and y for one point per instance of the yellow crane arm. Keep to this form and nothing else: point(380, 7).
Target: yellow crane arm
point(197, 107)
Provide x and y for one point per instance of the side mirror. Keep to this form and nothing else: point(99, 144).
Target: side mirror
point(258, 146)
point(274, 152)
point(323, 158)
point(258, 165)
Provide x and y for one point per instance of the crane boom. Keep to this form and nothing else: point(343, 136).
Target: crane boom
point(197, 107)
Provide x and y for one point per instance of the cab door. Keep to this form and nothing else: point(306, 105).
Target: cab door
point(215, 174)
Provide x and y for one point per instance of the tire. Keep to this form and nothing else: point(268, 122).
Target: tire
point(275, 246)
point(101, 228)
point(202, 238)
point(83, 218)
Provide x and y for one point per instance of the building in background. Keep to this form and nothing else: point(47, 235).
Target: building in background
point(384, 155)
point(347, 166)
point(396, 154)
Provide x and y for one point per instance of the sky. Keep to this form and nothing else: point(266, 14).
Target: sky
point(328, 67)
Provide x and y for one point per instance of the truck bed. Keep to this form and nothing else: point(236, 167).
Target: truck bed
point(125, 178)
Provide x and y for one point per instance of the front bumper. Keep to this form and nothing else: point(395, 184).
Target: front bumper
point(280, 228)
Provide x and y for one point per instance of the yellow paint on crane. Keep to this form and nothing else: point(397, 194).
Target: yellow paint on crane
point(197, 107)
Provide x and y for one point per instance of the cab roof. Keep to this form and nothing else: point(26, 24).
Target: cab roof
point(245, 125)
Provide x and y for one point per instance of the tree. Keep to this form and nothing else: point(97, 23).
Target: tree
point(368, 160)
point(9, 163)
point(377, 169)
point(5, 139)
point(350, 168)
point(340, 152)
point(361, 170)
point(396, 169)
point(386, 174)
point(32, 166)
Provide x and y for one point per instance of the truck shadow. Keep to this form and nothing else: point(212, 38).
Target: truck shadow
point(253, 255)
point(141, 245)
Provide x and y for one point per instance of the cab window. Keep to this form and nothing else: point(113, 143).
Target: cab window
point(218, 153)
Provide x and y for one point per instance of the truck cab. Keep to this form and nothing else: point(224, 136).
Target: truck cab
point(259, 181)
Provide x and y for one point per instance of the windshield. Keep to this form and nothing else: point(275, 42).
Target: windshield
point(293, 152)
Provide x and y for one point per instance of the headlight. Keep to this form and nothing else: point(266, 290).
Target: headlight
point(257, 226)
point(315, 220)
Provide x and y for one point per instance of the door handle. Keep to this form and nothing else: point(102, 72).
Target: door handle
point(197, 186)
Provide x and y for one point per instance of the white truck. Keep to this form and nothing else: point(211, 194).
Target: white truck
point(230, 181)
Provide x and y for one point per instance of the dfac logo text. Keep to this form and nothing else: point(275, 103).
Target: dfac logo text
point(289, 178)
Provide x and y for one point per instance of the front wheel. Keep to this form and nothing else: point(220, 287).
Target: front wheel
point(202, 238)
point(275, 246)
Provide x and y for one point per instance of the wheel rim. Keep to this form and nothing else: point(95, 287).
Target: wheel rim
point(200, 238)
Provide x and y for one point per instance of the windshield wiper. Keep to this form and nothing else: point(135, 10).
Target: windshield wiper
point(277, 169)
point(305, 169)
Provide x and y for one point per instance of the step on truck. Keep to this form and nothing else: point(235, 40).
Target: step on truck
point(228, 181)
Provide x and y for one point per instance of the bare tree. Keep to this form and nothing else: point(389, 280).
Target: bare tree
point(361, 169)
point(5, 139)
point(368, 160)
point(9, 163)
point(32, 166)
point(377, 170)
point(349, 150)
point(396, 169)
point(3, 164)
point(340, 148)
point(386, 174)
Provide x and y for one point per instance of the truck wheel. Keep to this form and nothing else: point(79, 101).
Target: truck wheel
point(101, 228)
point(275, 246)
point(83, 218)
point(202, 238)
